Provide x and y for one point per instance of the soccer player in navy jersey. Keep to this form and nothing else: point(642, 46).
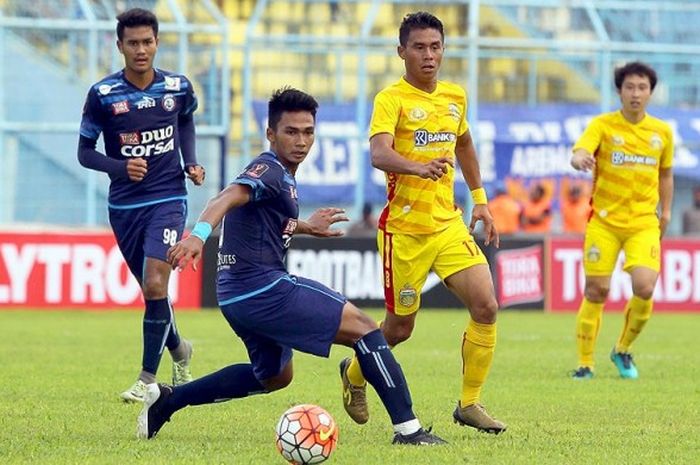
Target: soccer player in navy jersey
point(145, 117)
point(272, 311)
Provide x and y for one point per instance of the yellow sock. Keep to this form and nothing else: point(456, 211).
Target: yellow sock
point(587, 327)
point(478, 344)
point(637, 313)
point(355, 373)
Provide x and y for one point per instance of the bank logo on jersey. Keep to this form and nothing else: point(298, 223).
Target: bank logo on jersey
point(172, 83)
point(619, 158)
point(417, 114)
point(168, 102)
point(120, 107)
point(148, 143)
point(421, 137)
point(455, 111)
point(146, 102)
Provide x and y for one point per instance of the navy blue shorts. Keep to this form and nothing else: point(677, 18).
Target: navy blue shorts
point(295, 313)
point(147, 231)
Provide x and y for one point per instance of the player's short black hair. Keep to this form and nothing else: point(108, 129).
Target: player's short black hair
point(419, 20)
point(635, 67)
point(289, 99)
point(136, 17)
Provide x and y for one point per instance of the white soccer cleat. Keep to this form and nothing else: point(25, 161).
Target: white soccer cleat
point(135, 393)
point(181, 370)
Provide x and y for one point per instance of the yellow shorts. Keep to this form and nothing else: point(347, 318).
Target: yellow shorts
point(407, 259)
point(603, 243)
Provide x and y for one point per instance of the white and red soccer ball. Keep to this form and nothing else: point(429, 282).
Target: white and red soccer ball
point(306, 434)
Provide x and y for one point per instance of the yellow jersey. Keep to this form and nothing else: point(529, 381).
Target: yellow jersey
point(626, 175)
point(424, 126)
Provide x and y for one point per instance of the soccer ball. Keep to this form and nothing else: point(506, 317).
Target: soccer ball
point(306, 434)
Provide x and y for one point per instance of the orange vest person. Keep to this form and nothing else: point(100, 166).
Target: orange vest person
point(506, 212)
point(537, 211)
point(575, 211)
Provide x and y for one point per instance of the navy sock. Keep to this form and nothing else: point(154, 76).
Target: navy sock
point(173, 340)
point(384, 373)
point(156, 328)
point(232, 382)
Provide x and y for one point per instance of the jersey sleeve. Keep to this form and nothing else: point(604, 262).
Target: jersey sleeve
point(667, 155)
point(463, 124)
point(92, 122)
point(591, 137)
point(190, 103)
point(264, 178)
point(385, 114)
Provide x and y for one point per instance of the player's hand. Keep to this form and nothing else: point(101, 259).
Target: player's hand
point(482, 213)
point(196, 173)
point(583, 161)
point(435, 168)
point(136, 169)
point(322, 219)
point(185, 252)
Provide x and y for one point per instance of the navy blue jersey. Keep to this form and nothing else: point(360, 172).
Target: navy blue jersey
point(141, 123)
point(255, 237)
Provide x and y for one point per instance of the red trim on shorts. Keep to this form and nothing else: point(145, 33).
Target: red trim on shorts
point(388, 271)
point(391, 193)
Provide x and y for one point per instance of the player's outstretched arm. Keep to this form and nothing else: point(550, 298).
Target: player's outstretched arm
point(320, 221)
point(189, 250)
point(582, 160)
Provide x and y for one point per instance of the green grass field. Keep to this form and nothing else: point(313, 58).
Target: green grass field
point(62, 372)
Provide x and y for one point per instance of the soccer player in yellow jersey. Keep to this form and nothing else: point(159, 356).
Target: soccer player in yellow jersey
point(630, 153)
point(418, 128)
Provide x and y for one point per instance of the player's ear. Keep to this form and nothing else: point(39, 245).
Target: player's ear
point(119, 46)
point(270, 133)
point(401, 50)
point(157, 41)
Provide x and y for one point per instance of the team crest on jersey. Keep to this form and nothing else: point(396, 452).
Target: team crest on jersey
point(129, 138)
point(407, 295)
point(454, 111)
point(168, 102)
point(146, 102)
point(593, 254)
point(257, 170)
point(417, 114)
point(655, 141)
point(120, 107)
point(618, 140)
point(172, 83)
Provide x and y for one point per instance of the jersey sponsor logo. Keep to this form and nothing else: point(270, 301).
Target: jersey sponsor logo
point(407, 295)
point(105, 89)
point(146, 102)
point(120, 107)
point(293, 192)
point(129, 138)
point(288, 232)
point(257, 170)
point(417, 114)
point(655, 142)
point(421, 137)
point(148, 143)
point(172, 83)
point(225, 261)
point(593, 254)
point(618, 140)
point(621, 158)
point(168, 102)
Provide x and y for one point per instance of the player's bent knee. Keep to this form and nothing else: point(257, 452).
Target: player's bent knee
point(278, 382)
point(644, 292)
point(397, 334)
point(485, 313)
point(596, 293)
point(155, 288)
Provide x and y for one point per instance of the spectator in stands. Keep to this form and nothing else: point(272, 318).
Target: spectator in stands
point(537, 211)
point(691, 216)
point(506, 210)
point(366, 226)
point(575, 210)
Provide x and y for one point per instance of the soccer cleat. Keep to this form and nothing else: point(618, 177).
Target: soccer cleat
point(421, 437)
point(135, 393)
point(624, 363)
point(354, 397)
point(152, 416)
point(181, 369)
point(475, 416)
point(582, 373)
